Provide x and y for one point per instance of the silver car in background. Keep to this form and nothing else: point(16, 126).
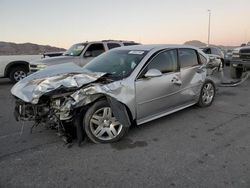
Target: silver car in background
point(125, 86)
point(216, 53)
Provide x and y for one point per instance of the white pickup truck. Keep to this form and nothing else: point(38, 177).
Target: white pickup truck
point(16, 67)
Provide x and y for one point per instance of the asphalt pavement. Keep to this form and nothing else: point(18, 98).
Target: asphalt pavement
point(195, 147)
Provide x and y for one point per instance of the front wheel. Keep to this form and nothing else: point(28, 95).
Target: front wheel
point(207, 94)
point(17, 74)
point(100, 124)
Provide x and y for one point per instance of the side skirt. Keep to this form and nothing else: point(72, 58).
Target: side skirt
point(156, 116)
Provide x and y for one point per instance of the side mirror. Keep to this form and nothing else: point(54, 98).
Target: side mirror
point(88, 54)
point(153, 73)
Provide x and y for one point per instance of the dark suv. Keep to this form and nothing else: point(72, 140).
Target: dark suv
point(240, 60)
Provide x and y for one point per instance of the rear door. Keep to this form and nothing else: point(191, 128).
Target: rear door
point(191, 77)
point(156, 95)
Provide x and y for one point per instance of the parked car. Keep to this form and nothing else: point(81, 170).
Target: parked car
point(80, 53)
point(240, 60)
point(16, 67)
point(134, 84)
point(215, 52)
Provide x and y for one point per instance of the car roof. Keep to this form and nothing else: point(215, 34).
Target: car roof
point(206, 47)
point(102, 41)
point(149, 47)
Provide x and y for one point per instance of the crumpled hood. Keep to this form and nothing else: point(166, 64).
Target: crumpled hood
point(55, 60)
point(68, 75)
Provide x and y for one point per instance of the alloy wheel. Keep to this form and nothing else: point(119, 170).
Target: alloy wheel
point(208, 93)
point(104, 125)
point(19, 75)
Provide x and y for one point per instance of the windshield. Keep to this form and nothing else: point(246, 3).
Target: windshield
point(75, 50)
point(248, 44)
point(119, 63)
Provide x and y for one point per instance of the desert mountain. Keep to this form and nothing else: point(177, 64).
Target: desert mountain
point(199, 44)
point(9, 48)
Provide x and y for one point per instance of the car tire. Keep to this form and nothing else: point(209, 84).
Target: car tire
point(17, 73)
point(100, 124)
point(207, 94)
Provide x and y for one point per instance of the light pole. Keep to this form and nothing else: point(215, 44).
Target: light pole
point(209, 21)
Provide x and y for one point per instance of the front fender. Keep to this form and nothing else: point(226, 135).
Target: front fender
point(119, 111)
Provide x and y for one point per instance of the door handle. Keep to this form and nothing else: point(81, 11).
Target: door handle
point(176, 81)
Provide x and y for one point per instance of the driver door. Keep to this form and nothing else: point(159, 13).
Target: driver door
point(155, 95)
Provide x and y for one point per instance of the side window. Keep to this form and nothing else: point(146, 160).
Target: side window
point(207, 50)
point(113, 45)
point(165, 62)
point(203, 59)
point(215, 51)
point(94, 50)
point(188, 58)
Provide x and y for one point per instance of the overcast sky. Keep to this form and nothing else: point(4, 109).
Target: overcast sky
point(64, 22)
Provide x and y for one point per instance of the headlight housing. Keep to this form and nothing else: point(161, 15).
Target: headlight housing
point(41, 66)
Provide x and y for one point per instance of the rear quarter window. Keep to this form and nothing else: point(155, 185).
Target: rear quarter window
point(203, 60)
point(188, 58)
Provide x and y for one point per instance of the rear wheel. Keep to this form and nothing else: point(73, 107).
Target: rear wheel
point(100, 124)
point(207, 94)
point(17, 74)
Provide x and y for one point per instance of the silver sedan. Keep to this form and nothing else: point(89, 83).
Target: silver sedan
point(125, 86)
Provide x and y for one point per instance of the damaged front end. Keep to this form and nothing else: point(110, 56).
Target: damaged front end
point(48, 110)
point(56, 95)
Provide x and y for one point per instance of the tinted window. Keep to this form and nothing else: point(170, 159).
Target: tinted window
point(203, 59)
point(130, 43)
point(207, 50)
point(188, 58)
point(113, 45)
point(95, 50)
point(165, 62)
